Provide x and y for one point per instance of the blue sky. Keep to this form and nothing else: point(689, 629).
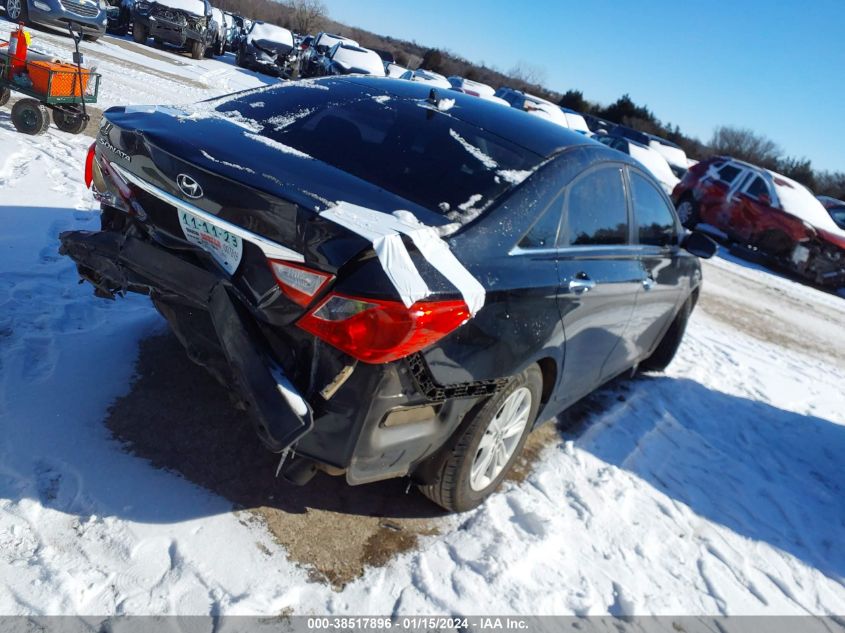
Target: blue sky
point(775, 67)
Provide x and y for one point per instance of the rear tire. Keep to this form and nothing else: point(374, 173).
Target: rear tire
point(30, 117)
point(5, 95)
point(140, 33)
point(197, 49)
point(688, 212)
point(471, 472)
point(671, 341)
point(72, 123)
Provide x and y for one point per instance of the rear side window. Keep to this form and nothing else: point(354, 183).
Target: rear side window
point(655, 218)
point(728, 172)
point(596, 209)
point(758, 188)
point(544, 232)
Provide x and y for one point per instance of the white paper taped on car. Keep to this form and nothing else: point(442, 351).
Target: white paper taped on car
point(384, 230)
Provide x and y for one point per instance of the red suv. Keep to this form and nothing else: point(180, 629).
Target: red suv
point(769, 212)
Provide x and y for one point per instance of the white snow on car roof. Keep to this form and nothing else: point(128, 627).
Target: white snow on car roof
point(655, 163)
point(428, 77)
point(271, 33)
point(797, 200)
point(546, 110)
point(482, 89)
point(673, 155)
point(197, 7)
point(360, 59)
point(576, 121)
point(327, 39)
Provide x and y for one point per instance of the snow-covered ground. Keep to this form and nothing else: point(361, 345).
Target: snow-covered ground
point(715, 488)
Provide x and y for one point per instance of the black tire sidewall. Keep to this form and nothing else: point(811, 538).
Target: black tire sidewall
point(665, 351)
point(72, 124)
point(693, 218)
point(43, 120)
point(197, 49)
point(464, 497)
point(140, 33)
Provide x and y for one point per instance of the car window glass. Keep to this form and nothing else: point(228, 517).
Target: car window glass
point(544, 232)
point(654, 216)
point(728, 172)
point(597, 211)
point(430, 158)
point(757, 188)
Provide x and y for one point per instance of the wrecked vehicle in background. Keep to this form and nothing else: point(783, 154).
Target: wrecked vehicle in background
point(237, 27)
point(318, 47)
point(769, 212)
point(392, 283)
point(345, 59)
point(181, 23)
point(268, 49)
point(119, 15)
point(218, 27)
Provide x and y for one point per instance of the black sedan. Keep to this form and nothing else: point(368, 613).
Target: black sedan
point(393, 280)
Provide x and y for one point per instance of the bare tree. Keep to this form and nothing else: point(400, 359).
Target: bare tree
point(306, 16)
point(528, 73)
point(747, 145)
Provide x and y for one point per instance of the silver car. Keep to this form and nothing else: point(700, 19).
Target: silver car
point(88, 16)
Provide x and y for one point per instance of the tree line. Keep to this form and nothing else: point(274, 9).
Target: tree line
point(310, 17)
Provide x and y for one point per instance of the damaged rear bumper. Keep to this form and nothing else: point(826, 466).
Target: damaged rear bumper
point(116, 263)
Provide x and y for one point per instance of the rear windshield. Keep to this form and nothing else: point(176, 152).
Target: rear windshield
point(409, 147)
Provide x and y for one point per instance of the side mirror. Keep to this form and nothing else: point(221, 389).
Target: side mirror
point(765, 199)
point(699, 245)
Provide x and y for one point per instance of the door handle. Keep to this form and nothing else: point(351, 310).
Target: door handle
point(581, 284)
point(648, 282)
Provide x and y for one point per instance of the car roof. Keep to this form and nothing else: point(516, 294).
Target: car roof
point(662, 140)
point(533, 133)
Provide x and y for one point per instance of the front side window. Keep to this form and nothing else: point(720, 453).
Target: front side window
point(655, 218)
point(596, 209)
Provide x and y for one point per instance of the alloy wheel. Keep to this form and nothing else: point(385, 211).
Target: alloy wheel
point(500, 440)
point(13, 9)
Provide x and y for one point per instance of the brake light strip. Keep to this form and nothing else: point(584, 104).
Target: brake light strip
point(270, 249)
point(384, 231)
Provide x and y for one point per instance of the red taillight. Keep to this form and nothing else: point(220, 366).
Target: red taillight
point(89, 166)
point(299, 283)
point(472, 92)
point(379, 331)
